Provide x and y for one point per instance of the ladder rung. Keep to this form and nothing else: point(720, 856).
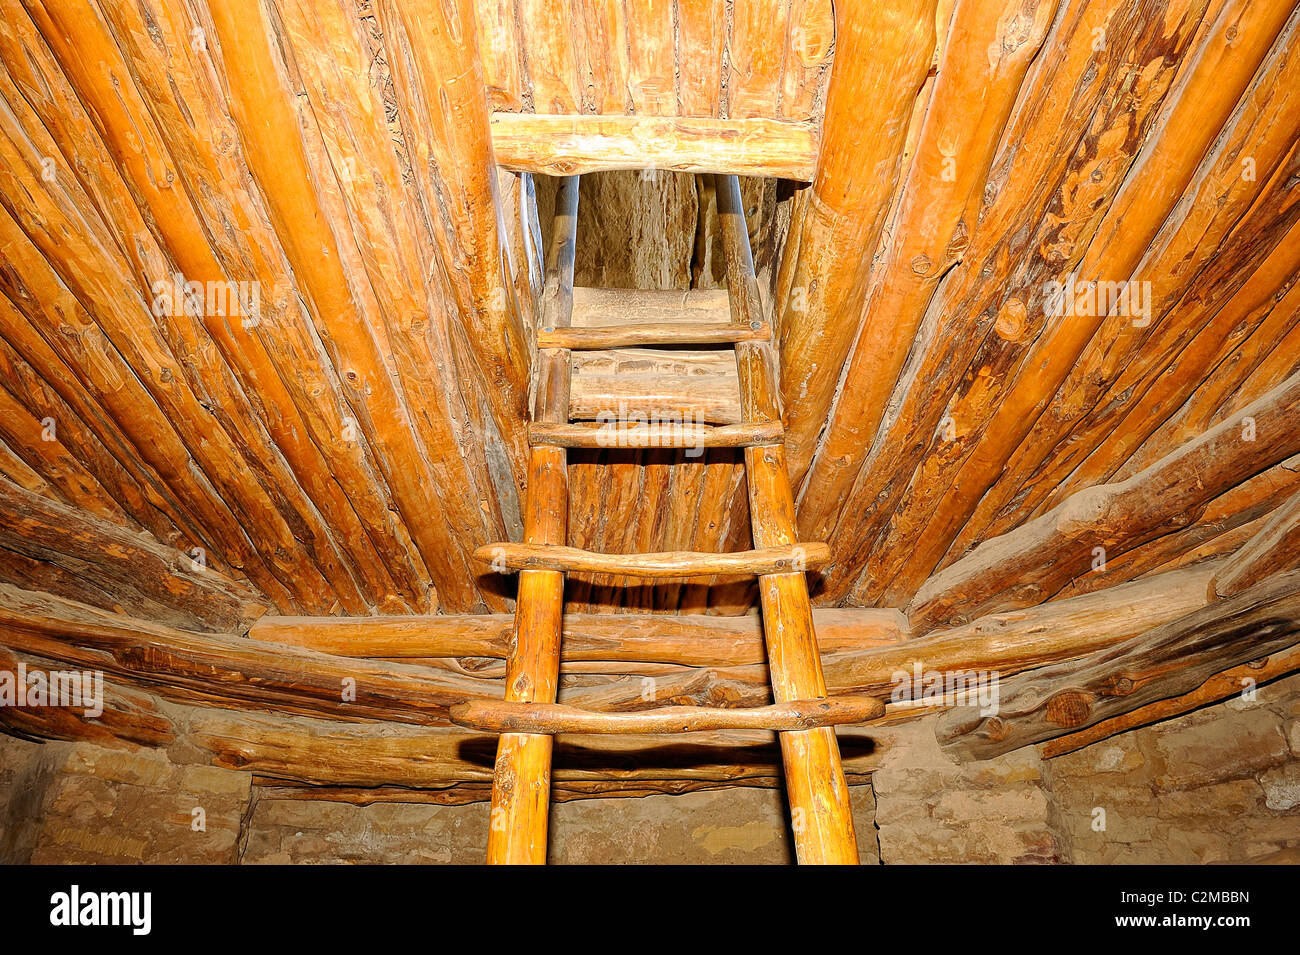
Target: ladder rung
point(665, 434)
point(656, 333)
point(666, 565)
point(547, 719)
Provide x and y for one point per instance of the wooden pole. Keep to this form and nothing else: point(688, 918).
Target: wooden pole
point(819, 797)
point(522, 779)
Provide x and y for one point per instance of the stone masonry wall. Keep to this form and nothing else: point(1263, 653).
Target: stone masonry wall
point(1220, 784)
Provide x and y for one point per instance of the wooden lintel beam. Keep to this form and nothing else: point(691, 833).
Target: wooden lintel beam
point(573, 145)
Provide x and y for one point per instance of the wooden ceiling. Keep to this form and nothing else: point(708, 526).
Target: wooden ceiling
point(657, 57)
point(342, 446)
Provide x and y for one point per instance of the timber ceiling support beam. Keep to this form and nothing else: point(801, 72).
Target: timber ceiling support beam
point(1037, 559)
point(62, 549)
point(882, 55)
point(1167, 662)
point(576, 145)
point(972, 98)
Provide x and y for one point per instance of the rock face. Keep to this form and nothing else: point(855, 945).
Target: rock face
point(1220, 784)
point(733, 827)
point(659, 230)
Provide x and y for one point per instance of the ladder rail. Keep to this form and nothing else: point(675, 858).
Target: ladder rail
point(521, 782)
point(821, 816)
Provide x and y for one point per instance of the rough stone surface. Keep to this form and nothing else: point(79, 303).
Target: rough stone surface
point(1218, 785)
point(742, 826)
point(930, 809)
point(659, 230)
point(88, 804)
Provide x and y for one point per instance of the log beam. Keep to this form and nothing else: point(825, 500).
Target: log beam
point(1168, 662)
point(576, 145)
point(882, 55)
point(129, 569)
point(1274, 549)
point(1037, 559)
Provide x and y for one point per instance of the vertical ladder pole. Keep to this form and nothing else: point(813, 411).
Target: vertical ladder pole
point(821, 815)
point(521, 785)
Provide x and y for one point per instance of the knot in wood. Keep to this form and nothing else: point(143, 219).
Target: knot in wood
point(1069, 709)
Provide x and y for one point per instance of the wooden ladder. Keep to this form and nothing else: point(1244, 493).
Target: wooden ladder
point(529, 717)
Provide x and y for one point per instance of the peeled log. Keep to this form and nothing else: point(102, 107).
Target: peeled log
point(882, 55)
point(972, 98)
point(1274, 549)
point(576, 145)
point(1218, 687)
point(690, 640)
point(129, 568)
point(1170, 661)
point(362, 755)
point(1037, 559)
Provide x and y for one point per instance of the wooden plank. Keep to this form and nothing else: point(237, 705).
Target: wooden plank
point(228, 668)
point(754, 53)
point(701, 33)
point(500, 50)
point(601, 55)
point(547, 30)
point(809, 40)
point(1222, 528)
point(665, 386)
point(336, 54)
point(83, 424)
point(298, 678)
point(1242, 371)
point(651, 59)
point(170, 428)
point(560, 145)
point(34, 440)
point(598, 307)
point(667, 333)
